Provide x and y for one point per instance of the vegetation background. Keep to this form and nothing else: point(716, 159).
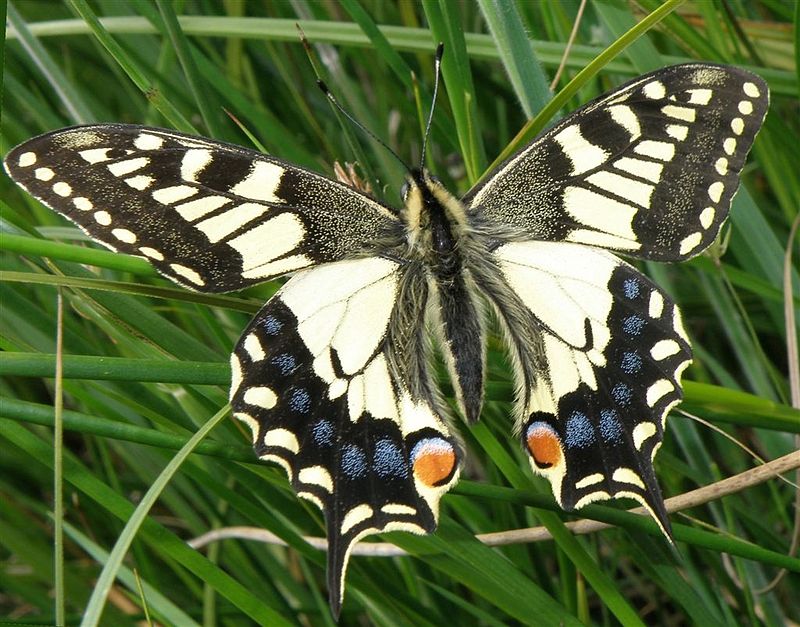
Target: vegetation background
point(145, 363)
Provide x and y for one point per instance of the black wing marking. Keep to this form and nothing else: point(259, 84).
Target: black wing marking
point(330, 377)
point(649, 169)
point(212, 216)
point(600, 350)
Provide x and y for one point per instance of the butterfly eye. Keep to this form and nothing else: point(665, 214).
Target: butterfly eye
point(543, 444)
point(434, 461)
point(435, 179)
point(404, 191)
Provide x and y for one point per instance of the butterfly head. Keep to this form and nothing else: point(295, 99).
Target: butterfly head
point(427, 202)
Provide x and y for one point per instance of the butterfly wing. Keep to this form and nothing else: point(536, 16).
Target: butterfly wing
point(330, 377)
point(599, 351)
point(208, 215)
point(648, 169)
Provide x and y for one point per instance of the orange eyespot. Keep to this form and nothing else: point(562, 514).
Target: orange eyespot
point(434, 461)
point(544, 444)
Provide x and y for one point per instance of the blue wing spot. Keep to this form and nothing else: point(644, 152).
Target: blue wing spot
point(580, 432)
point(323, 432)
point(284, 362)
point(388, 460)
point(633, 325)
point(353, 461)
point(631, 288)
point(272, 325)
point(300, 401)
point(622, 394)
point(610, 426)
point(631, 363)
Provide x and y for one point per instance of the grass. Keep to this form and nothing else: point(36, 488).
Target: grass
point(145, 363)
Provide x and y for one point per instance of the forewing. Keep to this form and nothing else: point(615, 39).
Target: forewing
point(605, 351)
point(212, 216)
point(329, 378)
point(649, 169)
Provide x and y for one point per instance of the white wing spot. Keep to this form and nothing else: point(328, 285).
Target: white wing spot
point(280, 267)
point(643, 169)
point(356, 515)
point(634, 191)
point(195, 209)
point(95, 155)
point(721, 166)
point(124, 235)
point(221, 226)
point(658, 390)
point(152, 253)
point(260, 396)
point(236, 376)
point(750, 89)
point(140, 181)
point(663, 151)
point(656, 305)
point(677, 131)
point(715, 191)
point(641, 432)
point(316, 475)
point(690, 242)
point(261, 183)
point(707, 217)
point(600, 212)
point(355, 398)
point(84, 204)
point(253, 347)
point(677, 323)
point(654, 90)
point(193, 163)
point(583, 154)
point(102, 217)
point(62, 189)
point(265, 242)
point(281, 437)
point(664, 348)
point(737, 125)
point(146, 141)
point(26, 159)
point(729, 145)
point(679, 113)
point(699, 96)
point(169, 195)
point(602, 240)
point(588, 480)
point(187, 273)
point(337, 388)
point(398, 509)
point(121, 168)
point(626, 118)
point(626, 475)
point(745, 107)
point(43, 174)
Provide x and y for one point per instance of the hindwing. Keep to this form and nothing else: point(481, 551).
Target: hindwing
point(648, 169)
point(212, 216)
point(601, 350)
point(330, 379)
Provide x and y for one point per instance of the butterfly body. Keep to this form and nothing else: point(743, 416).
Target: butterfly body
point(332, 376)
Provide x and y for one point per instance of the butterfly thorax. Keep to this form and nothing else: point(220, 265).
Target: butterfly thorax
point(435, 221)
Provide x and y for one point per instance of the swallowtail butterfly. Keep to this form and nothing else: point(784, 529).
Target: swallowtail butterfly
point(332, 375)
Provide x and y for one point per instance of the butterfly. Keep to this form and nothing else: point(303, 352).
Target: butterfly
point(333, 375)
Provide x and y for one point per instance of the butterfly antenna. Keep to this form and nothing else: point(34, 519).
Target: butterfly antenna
point(438, 71)
point(358, 124)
